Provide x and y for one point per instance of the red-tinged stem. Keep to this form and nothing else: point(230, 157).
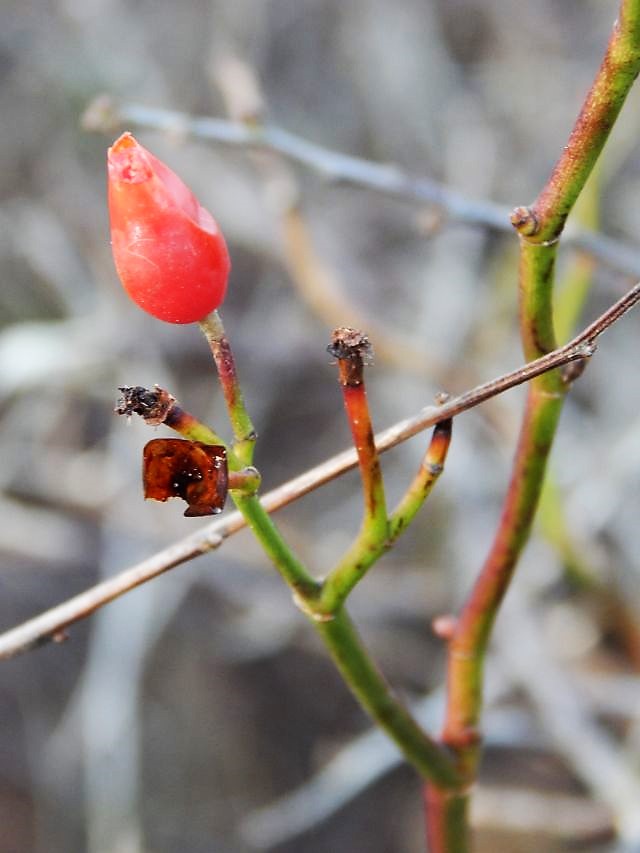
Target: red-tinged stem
point(545, 219)
point(351, 348)
point(447, 820)
point(351, 657)
point(357, 409)
point(468, 645)
point(243, 429)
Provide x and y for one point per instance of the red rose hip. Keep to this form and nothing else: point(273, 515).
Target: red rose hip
point(168, 250)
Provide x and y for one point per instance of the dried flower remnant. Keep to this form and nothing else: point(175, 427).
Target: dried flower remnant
point(151, 405)
point(350, 344)
point(195, 472)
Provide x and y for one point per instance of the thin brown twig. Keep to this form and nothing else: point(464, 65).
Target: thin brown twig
point(105, 114)
point(51, 624)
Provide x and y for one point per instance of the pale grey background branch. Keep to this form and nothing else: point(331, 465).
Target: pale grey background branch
point(339, 168)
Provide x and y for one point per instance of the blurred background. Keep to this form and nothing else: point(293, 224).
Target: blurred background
point(199, 712)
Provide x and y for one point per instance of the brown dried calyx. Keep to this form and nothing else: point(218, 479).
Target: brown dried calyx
point(153, 405)
point(195, 472)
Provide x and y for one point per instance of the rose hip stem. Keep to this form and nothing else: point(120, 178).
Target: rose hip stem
point(243, 429)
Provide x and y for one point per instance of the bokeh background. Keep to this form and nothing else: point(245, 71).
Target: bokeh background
point(199, 713)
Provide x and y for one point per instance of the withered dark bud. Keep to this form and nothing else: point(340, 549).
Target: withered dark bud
point(152, 405)
point(195, 472)
point(347, 343)
point(353, 351)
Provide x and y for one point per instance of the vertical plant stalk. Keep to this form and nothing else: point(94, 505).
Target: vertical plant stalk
point(351, 348)
point(447, 822)
point(570, 295)
point(468, 644)
point(539, 227)
point(243, 429)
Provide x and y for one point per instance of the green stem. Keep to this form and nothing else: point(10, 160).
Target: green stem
point(569, 298)
point(350, 569)
point(430, 469)
point(292, 570)
point(370, 688)
point(246, 481)
point(363, 553)
point(572, 290)
point(350, 656)
point(243, 429)
point(190, 427)
point(545, 395)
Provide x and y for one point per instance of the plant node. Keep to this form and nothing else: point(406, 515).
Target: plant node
point(524, 221)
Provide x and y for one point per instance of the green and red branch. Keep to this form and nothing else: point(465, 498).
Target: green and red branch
point(544, 219)
point(539, 227)
point(468, 643)
point(352, 349)
point(446, 819)
point(430, 469)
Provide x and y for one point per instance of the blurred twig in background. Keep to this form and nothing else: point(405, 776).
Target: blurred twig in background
point(107, 115)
